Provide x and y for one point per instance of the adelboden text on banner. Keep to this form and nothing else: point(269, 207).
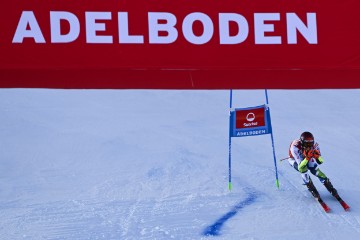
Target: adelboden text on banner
point(162, 44)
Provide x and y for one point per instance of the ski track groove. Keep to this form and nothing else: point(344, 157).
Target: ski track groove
point(351, 220)
point(130, 217)
point(66, 220)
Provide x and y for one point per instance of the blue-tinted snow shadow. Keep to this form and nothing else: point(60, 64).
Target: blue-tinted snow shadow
point(215, 228)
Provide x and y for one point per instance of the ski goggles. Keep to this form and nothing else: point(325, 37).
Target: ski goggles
point(307, 143)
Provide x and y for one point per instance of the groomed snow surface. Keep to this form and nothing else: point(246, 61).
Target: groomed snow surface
point(152, 164)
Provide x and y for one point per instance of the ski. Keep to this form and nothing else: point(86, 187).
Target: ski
point(327, 209)
point(344, 205)
point(342, 202)
point(335, 194)
point(323, 205)
point(312, 189)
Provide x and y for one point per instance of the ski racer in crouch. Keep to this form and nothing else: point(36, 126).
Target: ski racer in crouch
point(305, 156)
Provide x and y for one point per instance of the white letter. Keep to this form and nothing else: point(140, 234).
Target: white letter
point(124, 36)
point(187, 28)
point(294, 23)
point(92, 27)
point(155, 27)
point(28, 17)
point(224, 22)
point(261, 28)
point(55, 26)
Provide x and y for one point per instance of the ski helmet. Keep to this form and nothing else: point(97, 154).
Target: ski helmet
point(307, 140)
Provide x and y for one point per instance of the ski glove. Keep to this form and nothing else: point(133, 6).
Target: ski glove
point(308, 154)
point(316, 154)
point(318, 157)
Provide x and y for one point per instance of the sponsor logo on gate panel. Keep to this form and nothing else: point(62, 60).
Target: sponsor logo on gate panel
point(251, 118)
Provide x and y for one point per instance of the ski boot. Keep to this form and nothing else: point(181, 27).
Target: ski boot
point(334, 192)
point(312, 189)
point(315, 193)
point(331, 189)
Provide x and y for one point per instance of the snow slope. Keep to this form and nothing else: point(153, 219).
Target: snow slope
point(104, 164)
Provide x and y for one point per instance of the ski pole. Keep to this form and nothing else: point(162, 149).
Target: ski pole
point(284, 159)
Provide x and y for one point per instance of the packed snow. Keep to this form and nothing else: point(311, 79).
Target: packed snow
point(153, 164)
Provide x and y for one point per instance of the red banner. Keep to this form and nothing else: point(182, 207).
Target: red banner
point(159, 44)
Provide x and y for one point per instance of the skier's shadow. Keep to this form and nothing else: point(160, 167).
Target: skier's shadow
point(214, 229)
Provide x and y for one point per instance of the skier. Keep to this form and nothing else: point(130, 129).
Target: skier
point(305, 156)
